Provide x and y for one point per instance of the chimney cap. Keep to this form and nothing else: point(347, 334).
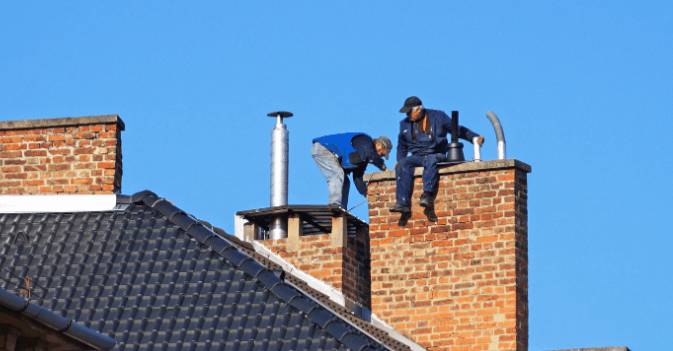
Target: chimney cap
point(62, 122)
point(283, 114)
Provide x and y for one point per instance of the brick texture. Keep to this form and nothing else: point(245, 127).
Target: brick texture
point(346, 268)
point(458, 281)
point(82, 159)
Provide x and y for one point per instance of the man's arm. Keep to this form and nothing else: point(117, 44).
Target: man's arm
point(366, 149)
point(402, 147)
point(360, 184)
point(463, 132)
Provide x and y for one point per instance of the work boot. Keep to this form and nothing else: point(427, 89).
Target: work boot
point(400, 208)
point(426, 199)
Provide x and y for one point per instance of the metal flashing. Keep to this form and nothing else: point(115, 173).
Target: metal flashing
point(316, 284)
point(377, 322)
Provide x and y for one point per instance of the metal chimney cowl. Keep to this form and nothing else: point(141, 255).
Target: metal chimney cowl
point(279, 172)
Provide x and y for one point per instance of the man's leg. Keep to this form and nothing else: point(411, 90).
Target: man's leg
point(329, 165)
point(404, 173)
point(430, 172)
point(344, 192)
point(430, 178)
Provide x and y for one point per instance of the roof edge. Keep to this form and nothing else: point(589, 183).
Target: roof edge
point(56, 322)
point(62, 122)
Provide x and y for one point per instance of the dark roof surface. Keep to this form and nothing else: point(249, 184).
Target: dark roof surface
point(155, 278)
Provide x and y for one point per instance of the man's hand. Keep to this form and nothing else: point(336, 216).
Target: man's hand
point(480, 140)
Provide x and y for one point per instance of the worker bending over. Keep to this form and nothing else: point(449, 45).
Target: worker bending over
point(339, 154)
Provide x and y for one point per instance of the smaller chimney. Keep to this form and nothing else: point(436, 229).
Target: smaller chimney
point(74, 155)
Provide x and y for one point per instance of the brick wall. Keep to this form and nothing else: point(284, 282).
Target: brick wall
point(62, 155)
point(346, 268)
point(458, 281)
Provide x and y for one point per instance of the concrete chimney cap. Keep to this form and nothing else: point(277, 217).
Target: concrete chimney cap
point(62, 122)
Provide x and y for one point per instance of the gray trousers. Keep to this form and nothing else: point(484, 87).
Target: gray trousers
point(338, 183)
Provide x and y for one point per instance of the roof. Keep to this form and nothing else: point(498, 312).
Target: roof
point(151, 276)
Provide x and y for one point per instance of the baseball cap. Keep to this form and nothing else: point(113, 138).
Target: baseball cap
point(409, 103)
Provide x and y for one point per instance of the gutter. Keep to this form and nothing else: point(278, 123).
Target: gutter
point(59, 323)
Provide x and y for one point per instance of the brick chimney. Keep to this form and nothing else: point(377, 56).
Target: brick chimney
point(78, 155)
point(325, 243)
point(455, 277)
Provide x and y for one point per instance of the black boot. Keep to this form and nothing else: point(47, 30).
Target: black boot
point(426, 199)
point(400, 208)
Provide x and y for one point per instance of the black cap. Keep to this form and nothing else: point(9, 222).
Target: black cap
point(409, 103)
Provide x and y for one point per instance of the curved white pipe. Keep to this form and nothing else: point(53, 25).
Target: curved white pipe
point(499, 134)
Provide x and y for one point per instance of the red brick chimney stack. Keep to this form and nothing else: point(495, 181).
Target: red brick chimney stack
point(460, 281)
point(78, 155)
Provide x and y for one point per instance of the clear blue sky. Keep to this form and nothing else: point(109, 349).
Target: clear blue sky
point(584, 90)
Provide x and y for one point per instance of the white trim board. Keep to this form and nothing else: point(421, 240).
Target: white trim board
point(57, 203)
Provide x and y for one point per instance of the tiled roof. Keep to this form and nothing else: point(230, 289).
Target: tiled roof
point(154, 278)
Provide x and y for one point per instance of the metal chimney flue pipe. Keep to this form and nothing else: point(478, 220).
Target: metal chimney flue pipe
point(499, 134)
point(280, 142)
point(455, 154)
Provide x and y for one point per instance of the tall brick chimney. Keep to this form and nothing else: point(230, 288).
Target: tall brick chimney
point(79, 155)
point(457, 276)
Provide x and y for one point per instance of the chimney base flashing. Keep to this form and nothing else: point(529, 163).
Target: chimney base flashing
point(314, 283)
point(395, 334)
point(336, 296)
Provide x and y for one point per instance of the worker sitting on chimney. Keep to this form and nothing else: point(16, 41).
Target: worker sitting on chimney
point(339, 154)
point(423, 134)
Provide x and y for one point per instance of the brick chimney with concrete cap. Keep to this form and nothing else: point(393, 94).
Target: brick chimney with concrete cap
point(454, 277)
point(329, 244)
point(74, 155)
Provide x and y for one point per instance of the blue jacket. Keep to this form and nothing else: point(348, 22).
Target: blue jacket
point(355, 151)
point(434, 143)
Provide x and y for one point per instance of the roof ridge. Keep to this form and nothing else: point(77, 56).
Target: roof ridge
point(332, 322)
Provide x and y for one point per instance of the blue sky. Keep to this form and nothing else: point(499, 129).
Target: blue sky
point(583, 90)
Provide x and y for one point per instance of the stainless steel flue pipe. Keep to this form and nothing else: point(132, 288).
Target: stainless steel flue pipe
point(280, 143)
